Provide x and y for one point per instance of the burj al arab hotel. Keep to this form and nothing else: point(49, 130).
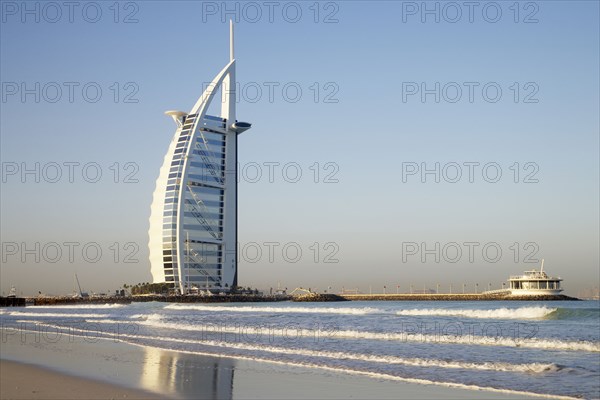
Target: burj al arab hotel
point(193, 222)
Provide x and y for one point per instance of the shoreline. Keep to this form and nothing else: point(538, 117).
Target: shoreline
point(160, 373)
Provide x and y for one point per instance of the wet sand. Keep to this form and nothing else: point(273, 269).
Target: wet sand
point(25, 381)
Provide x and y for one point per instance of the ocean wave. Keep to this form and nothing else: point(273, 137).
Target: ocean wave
point(578, 314)
point(385, 359)
point(293, 330)
point(415, 362)
point(467, 339)
point(304, 310)
point(497, 313)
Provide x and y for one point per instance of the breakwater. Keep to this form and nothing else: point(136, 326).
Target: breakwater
point(451, 297)
point(319, 297)
point(316, 297)
point(46, 301)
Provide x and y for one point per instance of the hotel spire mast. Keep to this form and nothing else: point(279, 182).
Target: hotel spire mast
point(228, 93)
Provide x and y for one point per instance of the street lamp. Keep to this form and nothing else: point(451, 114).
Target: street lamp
point(476, 288)
point(437, 290)
point(464, 284)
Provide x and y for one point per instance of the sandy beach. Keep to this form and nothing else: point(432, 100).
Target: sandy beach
point(25, 381)
point(90, 368)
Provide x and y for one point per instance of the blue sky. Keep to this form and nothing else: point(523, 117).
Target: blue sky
point(362, 127)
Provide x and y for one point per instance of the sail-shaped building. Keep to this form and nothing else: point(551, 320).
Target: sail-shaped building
point(193, 222)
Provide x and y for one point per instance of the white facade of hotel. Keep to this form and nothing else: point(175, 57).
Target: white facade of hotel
point(193, 222)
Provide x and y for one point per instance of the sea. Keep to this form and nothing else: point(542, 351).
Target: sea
point(543, 348)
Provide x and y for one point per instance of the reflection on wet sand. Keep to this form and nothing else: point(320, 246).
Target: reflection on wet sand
point(186, 375)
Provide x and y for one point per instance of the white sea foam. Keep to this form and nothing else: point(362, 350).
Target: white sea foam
point(55, 315)
point(497, 313)
point(304, 310)
point(109, 321)
point(78, 306)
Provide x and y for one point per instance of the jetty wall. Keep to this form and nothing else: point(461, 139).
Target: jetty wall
point(450, 297)
point(12, 302)
point(39, 301)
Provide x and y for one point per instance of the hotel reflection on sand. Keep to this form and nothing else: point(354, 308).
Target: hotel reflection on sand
point(168, 372)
